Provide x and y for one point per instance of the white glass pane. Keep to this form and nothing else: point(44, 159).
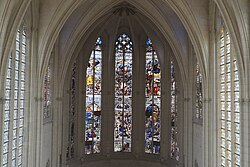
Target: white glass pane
point(7, 105)
point(223, 87)
point(229, 145)
point(229, 126)
point(14, 133)
point(20, 141)
point(235, 66)
point(223, 144)
point(21, 112)
point(17, 45)
point(222, 68)
point(237, 159)
point(223, 124)
point(223, 107)
point(15, 115)
point(20, 150)
point(223, 134)
point(229, 116)
point(237, 149)
point(22, 94)
point(16, 75)
point(237, 137)
point(6, 115)
point(9, 73)
point(237, 117)
point(13, 154)
point(237, 96)
point(14, 163)
point(17, 65)
point(10, 63)
point(16, 85)
point(16, 94)
point(223, 161)
point(21, 131)
point(228, 58)
point(22, 76)
point(23, 58)
point(237, 107)
point(21, 103)
point(5, 158)
point(229, 156)
point(7, 86)
point(22, 85)
point(21, 122)
point(22, 66)
point(18, 35)
point(229, 162)
point(223, 98)
point(222, 60)
point(236, 76)
point(6, 126)
point(237, 127)
point(19, 160)
point(6, 136)
point(228, 67)
point(14, 144)
point(5, 147)
point(229, 135)
point(14, 124)
point(7, 94)
point(17, 55)
point(23, 49)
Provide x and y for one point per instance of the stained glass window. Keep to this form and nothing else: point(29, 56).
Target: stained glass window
point(72, 115)
point(123, 94)
point(229, 104)
point(174, 116)
point(93, 100)
point(153, 101)
point(14, 108)
point(199, 95)
point(47, 93)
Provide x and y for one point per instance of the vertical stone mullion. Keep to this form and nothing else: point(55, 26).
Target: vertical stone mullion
point(109, 81)
point(105, 97)
point(165, 106)
point(138, 123)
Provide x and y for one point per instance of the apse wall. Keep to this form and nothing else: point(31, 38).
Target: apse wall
point(122, 163)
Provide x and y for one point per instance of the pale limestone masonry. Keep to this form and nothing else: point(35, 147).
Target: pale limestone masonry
point(184, 31)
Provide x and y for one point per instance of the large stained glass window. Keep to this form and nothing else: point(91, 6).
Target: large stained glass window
point(153, 101)
point(123, 94)
point(93, 100)
point(229, 104)
point(72, 115)
point(174, 116)
point(14, 108)
point(47, 93)
point(199, 95)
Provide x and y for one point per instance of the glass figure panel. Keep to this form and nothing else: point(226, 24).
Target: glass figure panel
point(123, 94)
point(153, 100)
point(93, 100)
point(174, 116)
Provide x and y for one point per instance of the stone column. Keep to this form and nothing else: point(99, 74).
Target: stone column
point(165, 106)
point(138, 131)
